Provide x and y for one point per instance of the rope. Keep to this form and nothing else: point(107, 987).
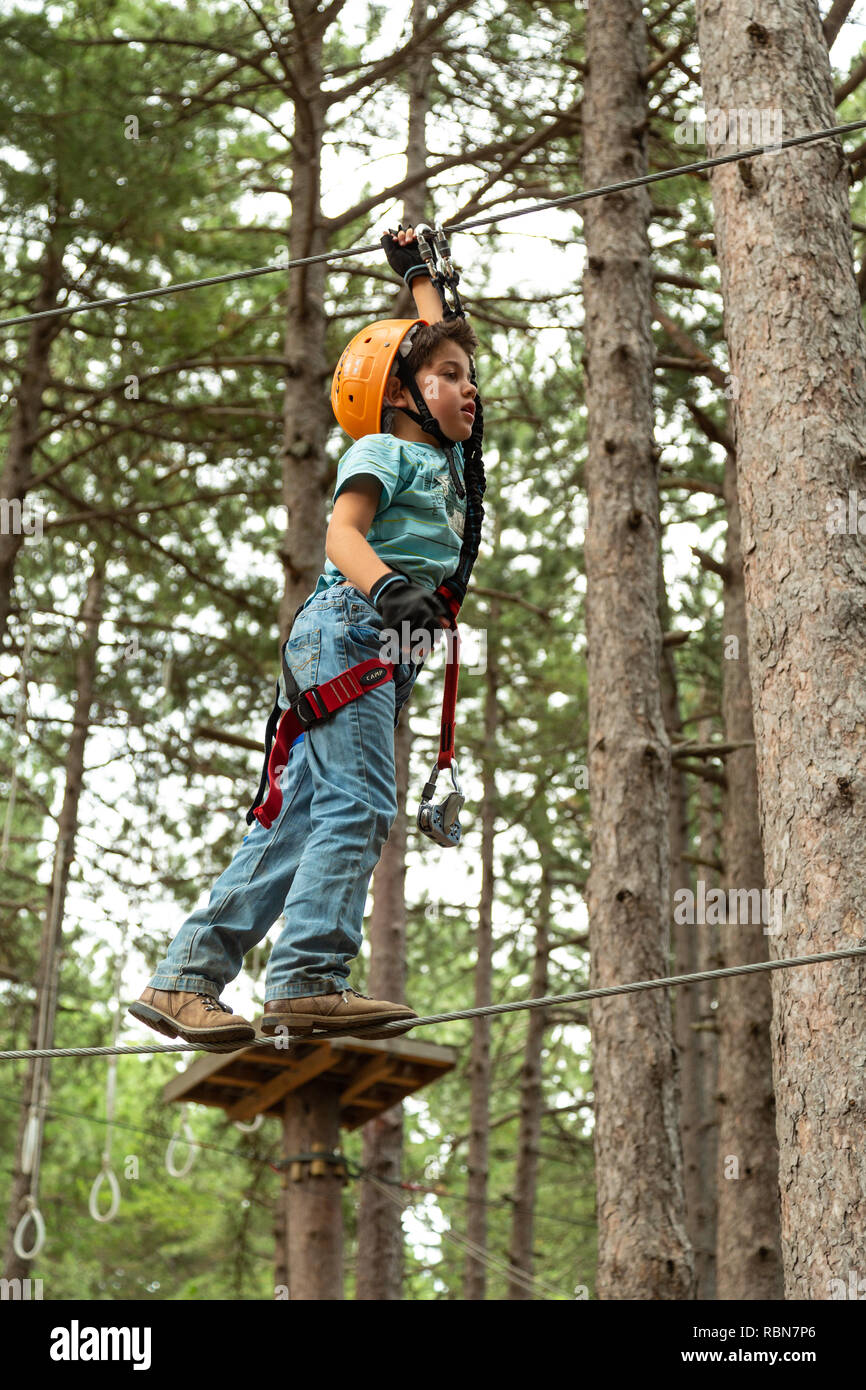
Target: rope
point(564, 201)
point(106, 1172)
point(549, 1001)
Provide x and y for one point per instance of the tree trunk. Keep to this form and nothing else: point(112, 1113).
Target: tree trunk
point(644, 1251)
point(314, 1206)
point(17, 473)
point(685, 952)
point(380, 1227)
point(798, 358)
point(281, 1234)
point(520, 1253)
point(306, 405)
point(748, 1258)
point(706, 1044)
point(474, 1282)
point(35, 1089)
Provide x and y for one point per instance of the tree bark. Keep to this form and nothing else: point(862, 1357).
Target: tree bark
point(306, 405)
point(706, 1043)
point(798, 355)
point(17, 473)
point(644, 1251)
point(520, 1253)
point(380, 1229)
point(314, 1205)
point(748, 1257)
point(380, 1226)
point(685, 954)
point(281, 1234)
point(37, 1076)
point(474, 1280)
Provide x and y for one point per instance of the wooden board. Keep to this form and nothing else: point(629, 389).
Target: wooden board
point(371, 1076)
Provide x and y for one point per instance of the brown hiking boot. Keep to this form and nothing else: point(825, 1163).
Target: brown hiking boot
point(197, 1018)
point(346, 1011)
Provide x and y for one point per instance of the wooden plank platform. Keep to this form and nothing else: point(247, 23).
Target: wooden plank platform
point(371, 1076)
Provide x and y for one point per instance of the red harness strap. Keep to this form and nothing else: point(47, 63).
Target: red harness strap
point(314, 706)
point(320, 702)
point(449, 698)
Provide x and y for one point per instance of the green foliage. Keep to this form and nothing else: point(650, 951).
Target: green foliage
point(159, 458)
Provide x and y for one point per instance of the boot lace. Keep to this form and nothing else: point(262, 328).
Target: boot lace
point(346, 992)
point(212, 1004)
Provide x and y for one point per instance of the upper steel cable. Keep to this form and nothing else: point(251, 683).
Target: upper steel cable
point(568, 198)
point(549, 1001)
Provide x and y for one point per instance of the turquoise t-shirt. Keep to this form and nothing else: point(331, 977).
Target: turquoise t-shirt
point(419, 521)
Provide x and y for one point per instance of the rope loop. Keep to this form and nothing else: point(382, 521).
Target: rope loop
point(250, 1126)
point(93, 1204)
point(35, 1215)
point(182, 1135)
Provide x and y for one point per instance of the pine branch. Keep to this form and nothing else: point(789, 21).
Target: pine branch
point(396, 61)
point(239, 599)
point(396, 190)
point(708, 562)
point(717, 434)
point(709, 750)
point(834, 19)
point(506, 597)
point(692, 484)
point(686, 343)
point(272, 494)
point(708, 774)
point(851, 83)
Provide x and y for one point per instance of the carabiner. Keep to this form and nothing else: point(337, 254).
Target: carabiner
point(436, 255)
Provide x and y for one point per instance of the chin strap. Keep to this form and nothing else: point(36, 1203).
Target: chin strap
point(423, 417)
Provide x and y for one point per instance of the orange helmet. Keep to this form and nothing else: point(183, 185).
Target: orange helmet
point(358, 387)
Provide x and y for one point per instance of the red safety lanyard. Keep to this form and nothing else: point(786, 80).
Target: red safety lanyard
point(449, 698)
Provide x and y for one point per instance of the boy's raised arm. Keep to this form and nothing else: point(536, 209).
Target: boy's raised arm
point(427, 301)
point(401, 248)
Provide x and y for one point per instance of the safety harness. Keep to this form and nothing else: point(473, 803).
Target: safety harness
point(318, 703)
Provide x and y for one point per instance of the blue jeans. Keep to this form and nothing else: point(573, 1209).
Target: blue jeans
point(315, 863)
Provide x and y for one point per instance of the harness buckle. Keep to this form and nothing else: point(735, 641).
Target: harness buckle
point(315, 711)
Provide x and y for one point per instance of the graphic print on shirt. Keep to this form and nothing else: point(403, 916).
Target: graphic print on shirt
point(455, 509)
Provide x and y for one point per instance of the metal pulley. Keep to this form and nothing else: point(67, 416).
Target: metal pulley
point(436, 255)
point(439, 821)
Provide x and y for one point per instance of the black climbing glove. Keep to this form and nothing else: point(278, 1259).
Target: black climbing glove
point(400, 600)
point(405, 260)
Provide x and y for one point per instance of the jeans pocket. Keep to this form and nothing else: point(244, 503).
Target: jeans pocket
point(302, 652)
point(359, 609)
point(363, 625)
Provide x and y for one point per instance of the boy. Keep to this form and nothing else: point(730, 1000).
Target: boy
point(399, 486)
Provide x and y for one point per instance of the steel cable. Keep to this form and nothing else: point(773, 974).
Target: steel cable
point(623, 184)
point(548, 1001)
